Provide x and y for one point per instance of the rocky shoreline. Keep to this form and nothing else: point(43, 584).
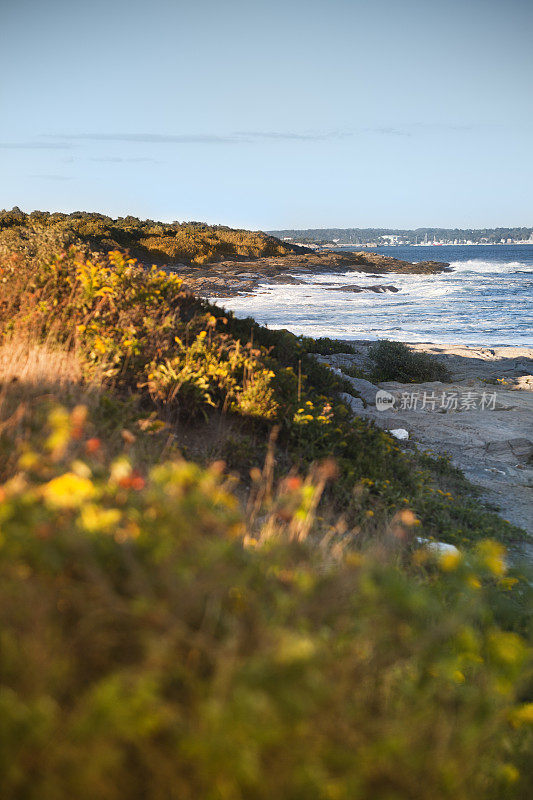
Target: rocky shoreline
point(230, 278)
point(482, 418)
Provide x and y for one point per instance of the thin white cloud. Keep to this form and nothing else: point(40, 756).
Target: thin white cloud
point(244, 137)
point(146, 138)
point(35, 146)
point(120, 160)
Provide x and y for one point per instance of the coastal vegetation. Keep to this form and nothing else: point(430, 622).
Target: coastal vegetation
point(217, 583)
point(149, 241)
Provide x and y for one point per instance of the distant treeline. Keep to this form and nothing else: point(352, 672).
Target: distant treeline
point(416, 236)
point(147, 240)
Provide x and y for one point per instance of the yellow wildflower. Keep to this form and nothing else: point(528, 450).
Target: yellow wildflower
point(68, 491)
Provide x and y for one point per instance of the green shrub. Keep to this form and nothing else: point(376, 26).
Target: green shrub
point(219, 373)
point(325, 346)
point(394, 361)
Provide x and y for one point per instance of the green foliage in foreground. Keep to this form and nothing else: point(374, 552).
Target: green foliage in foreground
point(155, 645)
point(394, 361)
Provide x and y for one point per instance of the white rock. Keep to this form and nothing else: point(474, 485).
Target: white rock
point(438, 547)
point(399, 433)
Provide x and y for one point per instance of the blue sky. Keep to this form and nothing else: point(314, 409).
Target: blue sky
point(390, 113)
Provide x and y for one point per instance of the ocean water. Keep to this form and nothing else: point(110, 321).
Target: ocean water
point(486, 300)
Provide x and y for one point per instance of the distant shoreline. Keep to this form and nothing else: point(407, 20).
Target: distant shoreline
point(405, 237)
point(451, 244)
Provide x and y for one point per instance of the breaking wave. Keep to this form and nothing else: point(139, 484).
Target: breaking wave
point(484, 301)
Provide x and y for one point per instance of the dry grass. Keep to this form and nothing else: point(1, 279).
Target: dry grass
point(34, 375)
point(41, 368)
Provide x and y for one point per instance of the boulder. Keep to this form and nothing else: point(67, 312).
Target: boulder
point(399, 433)
point(355, 403)
point(364, 389)
point(352, 287)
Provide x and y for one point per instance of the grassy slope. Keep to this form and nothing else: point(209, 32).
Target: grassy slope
point(183, 663)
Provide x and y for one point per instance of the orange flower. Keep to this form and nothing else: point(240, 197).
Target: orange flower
point(293, 483)
point(133, 481)
point(92, 445)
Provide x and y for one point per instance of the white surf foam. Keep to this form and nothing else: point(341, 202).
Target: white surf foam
point(480, 303)
point(480, 266)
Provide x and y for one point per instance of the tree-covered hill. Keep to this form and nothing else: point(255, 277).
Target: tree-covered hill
point(385, 236)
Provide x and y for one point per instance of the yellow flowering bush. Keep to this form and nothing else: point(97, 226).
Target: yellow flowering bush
point(214, 373)
point(131, 322)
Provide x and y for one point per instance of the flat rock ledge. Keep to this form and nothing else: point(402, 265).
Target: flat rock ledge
point(230, 278)
point(491, 442)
